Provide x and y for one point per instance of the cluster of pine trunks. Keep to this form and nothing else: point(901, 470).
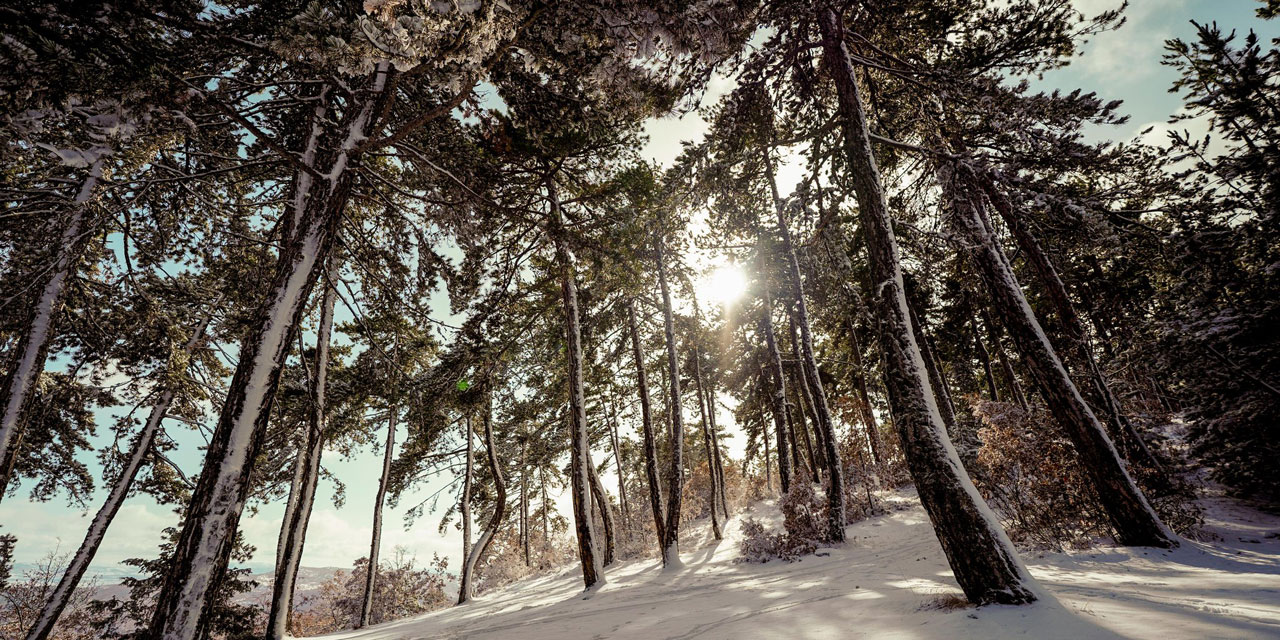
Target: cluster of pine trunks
point(983, 560)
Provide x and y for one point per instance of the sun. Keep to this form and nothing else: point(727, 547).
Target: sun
point(724, 285)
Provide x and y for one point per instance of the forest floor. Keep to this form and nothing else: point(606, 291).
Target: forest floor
point(891, 581)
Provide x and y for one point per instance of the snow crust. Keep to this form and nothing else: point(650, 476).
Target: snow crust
point(891, 581)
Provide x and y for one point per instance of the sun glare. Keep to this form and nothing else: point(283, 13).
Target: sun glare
point(724, 285)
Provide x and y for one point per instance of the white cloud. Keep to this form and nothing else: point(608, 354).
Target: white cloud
point(1132, 51)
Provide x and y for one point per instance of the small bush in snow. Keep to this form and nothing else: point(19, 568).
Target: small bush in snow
point(804, 517)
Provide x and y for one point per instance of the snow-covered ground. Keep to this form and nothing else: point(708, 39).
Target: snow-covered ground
point(891, 581)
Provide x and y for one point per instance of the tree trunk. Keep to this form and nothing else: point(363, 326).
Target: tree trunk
point(809, 372)
point(780, 415)
point(204, 547)
point(580, 439)
point(524, 501)
point(715, 447)
point(464, 514)
point(371, 575)
point(868, 416)
point(142, 444)
point(711, 454)
point(293, 531)
point(624, 507)
point(768, 458)
point(606, 516)
point(835, 248)
point(1098, 392)
point(984, 357)
point(1133, 520)
point(795, 422)
point(982, 558)
point(675, 474)
point(1011, 379)
point(546, 511)
point(467, 589)
point(941, 396)
point(803, 417)
point(646, 427)
point(804, 397)
point(33, 348)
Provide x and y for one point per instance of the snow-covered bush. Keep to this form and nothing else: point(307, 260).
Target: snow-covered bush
point(402, 589)
point(804, 511)
point(804, 519)
point(1031, 474)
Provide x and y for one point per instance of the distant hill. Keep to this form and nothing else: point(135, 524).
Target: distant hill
point(309, 581)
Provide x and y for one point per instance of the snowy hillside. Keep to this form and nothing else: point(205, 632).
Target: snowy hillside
point(891, 581)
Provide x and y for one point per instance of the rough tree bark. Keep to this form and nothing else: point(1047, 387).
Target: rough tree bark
point(646, 428)
point(601, 499)
point(142, 444)
point(675, 473)
point(1098, 392)
point(1132, 518)
point(33, 348)
point(204, 547)
point(809, 371)
point(580, 442)
point(293, 530)
point(939, 384)
point(981, 557)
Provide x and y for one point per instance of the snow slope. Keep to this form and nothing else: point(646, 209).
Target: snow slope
point(891, 581)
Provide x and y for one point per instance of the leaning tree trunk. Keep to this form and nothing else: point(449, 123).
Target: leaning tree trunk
point(371, 574)
point(706, 439)
point(1099, 391)
point(646, 428)
point(466, 590)
point(984, 356)
point(1006, 368)
point(810, 374)
point(606, 516)
point(675, 473)
point(33, 347)
point(579, 437)
point(464, 514)
point(293, 533)
point(1134, 521)
point(939, 384)
point(981, 557)
point(142, 445)
point(204, 547)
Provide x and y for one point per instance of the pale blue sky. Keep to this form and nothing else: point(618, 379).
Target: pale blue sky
point(1119, 65)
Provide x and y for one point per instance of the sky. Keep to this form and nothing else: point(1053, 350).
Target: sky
point(1123, 64)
